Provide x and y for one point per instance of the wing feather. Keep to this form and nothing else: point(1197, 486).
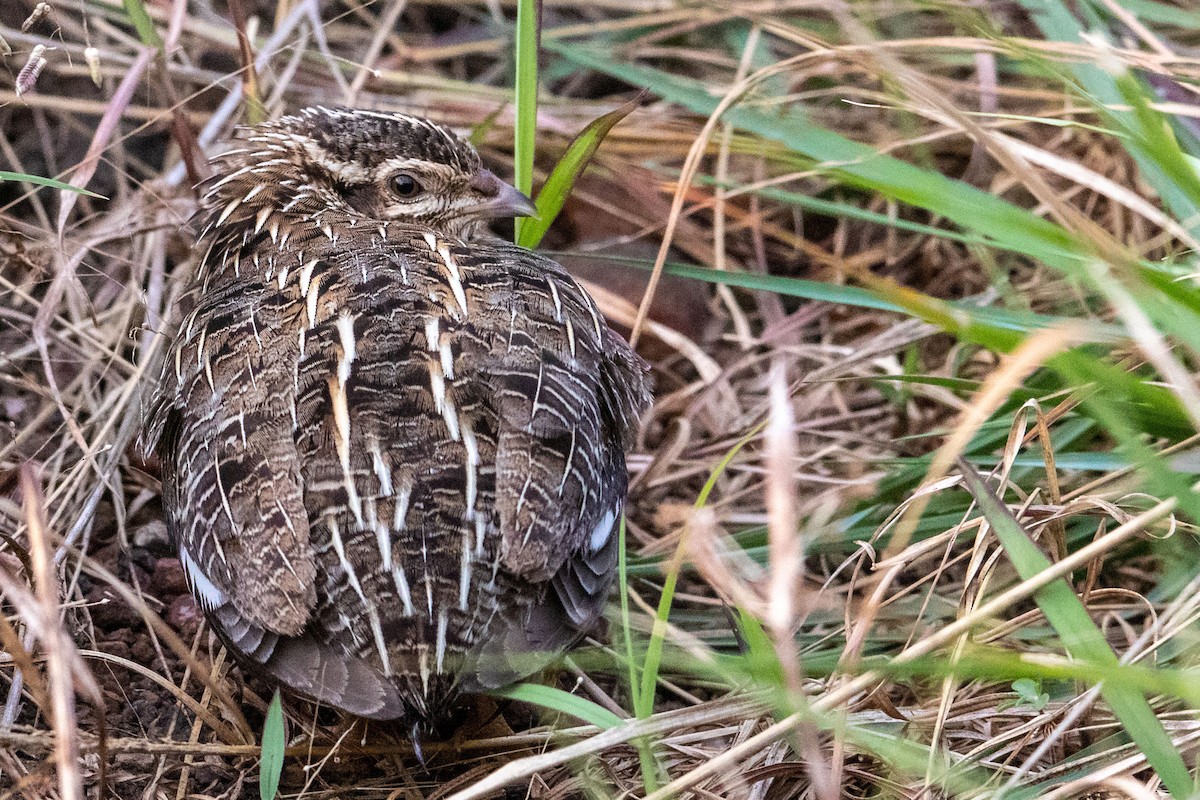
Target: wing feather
point(231, 481)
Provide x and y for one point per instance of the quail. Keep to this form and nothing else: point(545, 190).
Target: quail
point(392, 444)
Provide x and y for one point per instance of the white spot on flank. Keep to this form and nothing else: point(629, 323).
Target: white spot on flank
point(345, 326)
point(441, 639)
point(450, 415)
point(335, 533)
point(432, 335)
point(250, 194)
point(528, 532)
point(200, 346)
point(371, 512)
point(341, 440)
point(287, 521)
point(570, 335)
point(380, 642)
point(447, 360)
point(352, 577)
point(261, 219)
point(382, 473)
point(557, 301)
point(524, 489)
point(455, 277)
point(472, 448)
point(400, 513)
point(430, 240)
point(306, 272)
point(603, 530)
point(437, 385)
point(383, 538)
point(202, 587)
point(464, 578)
point(224, 497)
point(314, 293)
point(424, 668)
point(591, 307)
point(480, 533)
point(401, 580)
point(537, 392)
point(231, 177)
point(229, 209)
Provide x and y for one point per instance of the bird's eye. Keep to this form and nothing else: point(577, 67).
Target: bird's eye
point(405, 185)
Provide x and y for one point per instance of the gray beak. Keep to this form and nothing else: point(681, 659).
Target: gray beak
point(498, 200)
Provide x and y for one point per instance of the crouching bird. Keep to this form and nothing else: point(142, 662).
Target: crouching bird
point(392, 444)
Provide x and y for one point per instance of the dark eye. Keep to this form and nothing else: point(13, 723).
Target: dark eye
point(405, 185)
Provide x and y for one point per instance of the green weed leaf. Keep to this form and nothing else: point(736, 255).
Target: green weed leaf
point(49, 182)
point(142, 23)
point(558, 186)
point(556, 699)
point(270, 767)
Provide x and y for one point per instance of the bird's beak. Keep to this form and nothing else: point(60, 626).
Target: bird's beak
point(498, 199)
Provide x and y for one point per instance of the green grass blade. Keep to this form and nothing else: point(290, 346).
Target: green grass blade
point(983, 662)
point(1164, 13)
point(761, 660)
point(48, 182)
point(270, 767)
point(849, 211)
point(963, 311)
point(644, 696)
point(1081, 638)
point(626, 627)
point(1121, 409)
point(480, 131)
point(654, 649)
point(1147, 136)
point(136, 10)
point(526, 88)
point(553, 194)
point(556, 699)
point(646, 761)
point(859, 164)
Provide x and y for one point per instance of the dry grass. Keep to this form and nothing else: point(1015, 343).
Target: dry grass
point(96, 625)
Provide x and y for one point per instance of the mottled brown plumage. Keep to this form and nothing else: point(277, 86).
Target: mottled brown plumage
point(392, 444)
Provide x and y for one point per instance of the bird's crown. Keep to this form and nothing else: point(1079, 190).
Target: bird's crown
point(370, 139)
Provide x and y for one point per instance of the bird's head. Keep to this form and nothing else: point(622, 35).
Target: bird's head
point(369, 164)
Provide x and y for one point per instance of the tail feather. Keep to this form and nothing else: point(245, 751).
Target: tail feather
point(311, 668)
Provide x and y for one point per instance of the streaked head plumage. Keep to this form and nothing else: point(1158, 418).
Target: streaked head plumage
point(372, 164)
